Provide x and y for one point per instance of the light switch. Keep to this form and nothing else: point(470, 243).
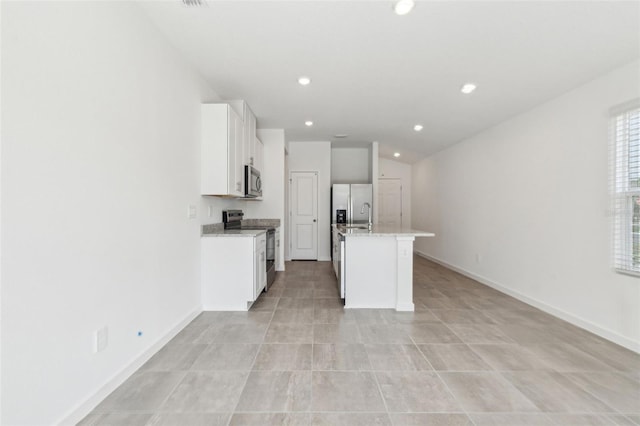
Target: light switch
point(192, 212)
point(100, 339)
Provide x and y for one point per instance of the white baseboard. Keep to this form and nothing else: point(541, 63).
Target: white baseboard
point(352, 306)
point(87, 406)
point(552, 310)
point(405, 307)
point(319, 259)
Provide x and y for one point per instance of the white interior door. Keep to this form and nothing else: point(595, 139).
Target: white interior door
point(304, 215)
point(390, 199)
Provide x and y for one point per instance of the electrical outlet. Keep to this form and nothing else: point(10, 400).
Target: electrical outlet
point(100, 339)
point(210, 211)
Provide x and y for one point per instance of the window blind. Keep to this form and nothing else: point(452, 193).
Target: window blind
point(625, 186)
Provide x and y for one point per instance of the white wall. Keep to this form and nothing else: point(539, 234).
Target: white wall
point(530, 197)
point(100, 147)
point(350, 165)
point(309, 157)
point(389, 169)
point(273, 177)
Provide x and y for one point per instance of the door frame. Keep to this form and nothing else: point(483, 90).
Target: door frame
point(290, 215)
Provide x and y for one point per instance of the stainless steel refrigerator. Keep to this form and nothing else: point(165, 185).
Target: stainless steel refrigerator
point(349, 203)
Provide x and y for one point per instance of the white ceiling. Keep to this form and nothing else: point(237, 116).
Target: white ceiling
point(376, 74)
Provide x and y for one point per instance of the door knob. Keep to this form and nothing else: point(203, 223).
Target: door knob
point(314, 220)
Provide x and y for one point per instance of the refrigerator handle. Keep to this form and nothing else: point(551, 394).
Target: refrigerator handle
point(350, 212)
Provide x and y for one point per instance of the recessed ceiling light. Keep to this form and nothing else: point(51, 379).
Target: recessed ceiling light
point(417, 127)
point(304, 80)
point(340, 135)
point(468, 88)
point(308, 123)
point(396, 154)
point(402, 7)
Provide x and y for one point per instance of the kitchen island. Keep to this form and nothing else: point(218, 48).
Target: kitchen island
point(377, 266)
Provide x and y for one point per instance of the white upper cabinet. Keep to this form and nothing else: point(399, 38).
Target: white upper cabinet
point(259, 155)
point(250, 138)
point(229, 143)
point(249, 131)
point(221, 156)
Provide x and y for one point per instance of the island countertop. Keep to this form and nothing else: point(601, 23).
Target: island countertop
point(234, 233)
point(382, 231)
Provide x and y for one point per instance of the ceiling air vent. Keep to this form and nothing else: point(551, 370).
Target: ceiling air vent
point(194, 3)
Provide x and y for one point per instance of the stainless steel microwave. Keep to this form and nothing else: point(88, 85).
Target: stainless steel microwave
point(252, 182)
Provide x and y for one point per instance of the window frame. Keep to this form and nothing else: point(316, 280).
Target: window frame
point(625, 161)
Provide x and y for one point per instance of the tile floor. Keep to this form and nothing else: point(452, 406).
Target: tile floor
point(468, 355)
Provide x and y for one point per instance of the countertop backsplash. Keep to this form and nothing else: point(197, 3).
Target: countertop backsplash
point(212, 228)
point(261, 222)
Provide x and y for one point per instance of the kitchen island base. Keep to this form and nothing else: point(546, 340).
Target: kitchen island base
point(379, 268)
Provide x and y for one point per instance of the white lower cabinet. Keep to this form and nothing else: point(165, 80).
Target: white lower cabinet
point(233, 271)
point(260, 268)
point(336, 252)
point(278, 257)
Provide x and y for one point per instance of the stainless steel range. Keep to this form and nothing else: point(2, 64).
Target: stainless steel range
point(232, 219)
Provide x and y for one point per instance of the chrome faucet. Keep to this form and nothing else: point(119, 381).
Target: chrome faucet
point(362, 212)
